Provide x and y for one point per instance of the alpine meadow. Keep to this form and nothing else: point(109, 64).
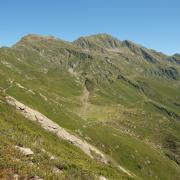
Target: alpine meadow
point(115, 96)
point(90, 90)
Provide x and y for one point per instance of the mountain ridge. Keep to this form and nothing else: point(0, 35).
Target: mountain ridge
point(99, 44)
point(100, 35)
point(120, 97)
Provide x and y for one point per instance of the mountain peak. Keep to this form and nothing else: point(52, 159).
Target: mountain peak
point(36, 37)
point(99, 35)
point(98, 42)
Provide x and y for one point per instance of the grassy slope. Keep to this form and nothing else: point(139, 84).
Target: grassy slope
point(16, 130)
point(119, 118)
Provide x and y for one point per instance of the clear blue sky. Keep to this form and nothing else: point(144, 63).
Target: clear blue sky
point(152, 23)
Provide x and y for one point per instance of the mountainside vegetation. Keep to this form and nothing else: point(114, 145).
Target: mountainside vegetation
point(121, 97)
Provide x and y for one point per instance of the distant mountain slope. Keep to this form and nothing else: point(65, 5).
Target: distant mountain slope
point(120, 97)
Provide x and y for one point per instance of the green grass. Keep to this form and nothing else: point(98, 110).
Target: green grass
point(16, 130)
point(119, 119)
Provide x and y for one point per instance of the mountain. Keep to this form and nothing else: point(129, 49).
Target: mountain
point(95, 108)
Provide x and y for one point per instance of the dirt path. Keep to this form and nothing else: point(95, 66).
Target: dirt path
point(84, 100)
point(10, 86)
point(51, 126)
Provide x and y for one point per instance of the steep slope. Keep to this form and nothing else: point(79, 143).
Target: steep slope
point(100, 42)
point(119, 96)
point(106, 44)
point(49, 158)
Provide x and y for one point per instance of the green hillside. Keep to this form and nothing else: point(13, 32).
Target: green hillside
point(118, 96)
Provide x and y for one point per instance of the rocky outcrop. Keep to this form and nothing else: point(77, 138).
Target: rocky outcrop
point(167, 111)
point(25, 151)
point(169, 73)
